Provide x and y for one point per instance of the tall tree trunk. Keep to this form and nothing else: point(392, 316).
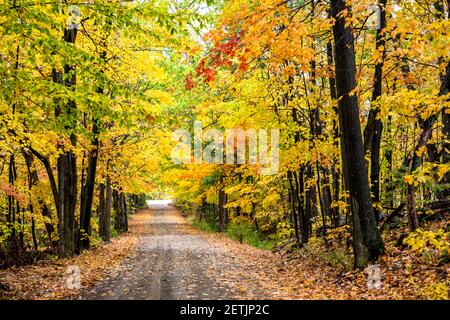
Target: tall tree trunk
point(124, 212)
point(374, 127)
point(310, 193)
point(107, 216)
point(305, 218)
point(66, 163)
point(254, 218)
point(334, 167)
point(295, 203)
point(389, 184)
point(412, 212)
point(104, 209)
point(120, 211)
point(304, 206)
point(367, 243)
point(324, 191)
point(444, 89)
point(88, 189)
point(14, 248)
point(222, 209)
point(101, 209)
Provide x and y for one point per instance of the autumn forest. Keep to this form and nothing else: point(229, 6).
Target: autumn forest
point(202, 149)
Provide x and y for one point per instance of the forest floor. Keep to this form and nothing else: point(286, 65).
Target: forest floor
point(163, 257)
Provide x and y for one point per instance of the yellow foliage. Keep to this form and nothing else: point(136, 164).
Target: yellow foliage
point(436, 244)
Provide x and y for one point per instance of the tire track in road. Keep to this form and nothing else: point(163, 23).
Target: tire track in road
point(169, 263)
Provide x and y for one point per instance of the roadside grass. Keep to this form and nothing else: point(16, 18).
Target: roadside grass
point(238, 229)
point(204, 224)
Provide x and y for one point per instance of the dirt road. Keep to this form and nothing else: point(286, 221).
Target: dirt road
point(174, 261)
point(163, 257)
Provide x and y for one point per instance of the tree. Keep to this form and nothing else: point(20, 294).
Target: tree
point(367, 243)
point(374, 128)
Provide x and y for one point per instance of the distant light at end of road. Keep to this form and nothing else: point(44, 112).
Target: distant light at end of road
point(159, 202)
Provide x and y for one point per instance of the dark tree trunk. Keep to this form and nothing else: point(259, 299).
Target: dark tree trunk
point(203, 208)
point(104, 209)
point(305, 218)
point(334, 167)
point(33, 228)
point(413, 219)
point(120, 211)
point(444, 90)
point(374, 127)
point(324, 191)
point(445, 194)
point(88, 190)
point(107, 216)
point(125, 212)
point(367, 243)
point(310, 194)
point(67, 201)
point(222, 210)
point(101, 209)
point(295, 203)
point(66, 163)
point(390, 187)
point(14, 246)
point(304, 206)
point(254, 219)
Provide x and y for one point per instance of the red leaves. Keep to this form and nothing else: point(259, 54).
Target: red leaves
point(225, 52)
point(208, 72)
point(243, 65)
point(10, 190)
point(189, 82)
